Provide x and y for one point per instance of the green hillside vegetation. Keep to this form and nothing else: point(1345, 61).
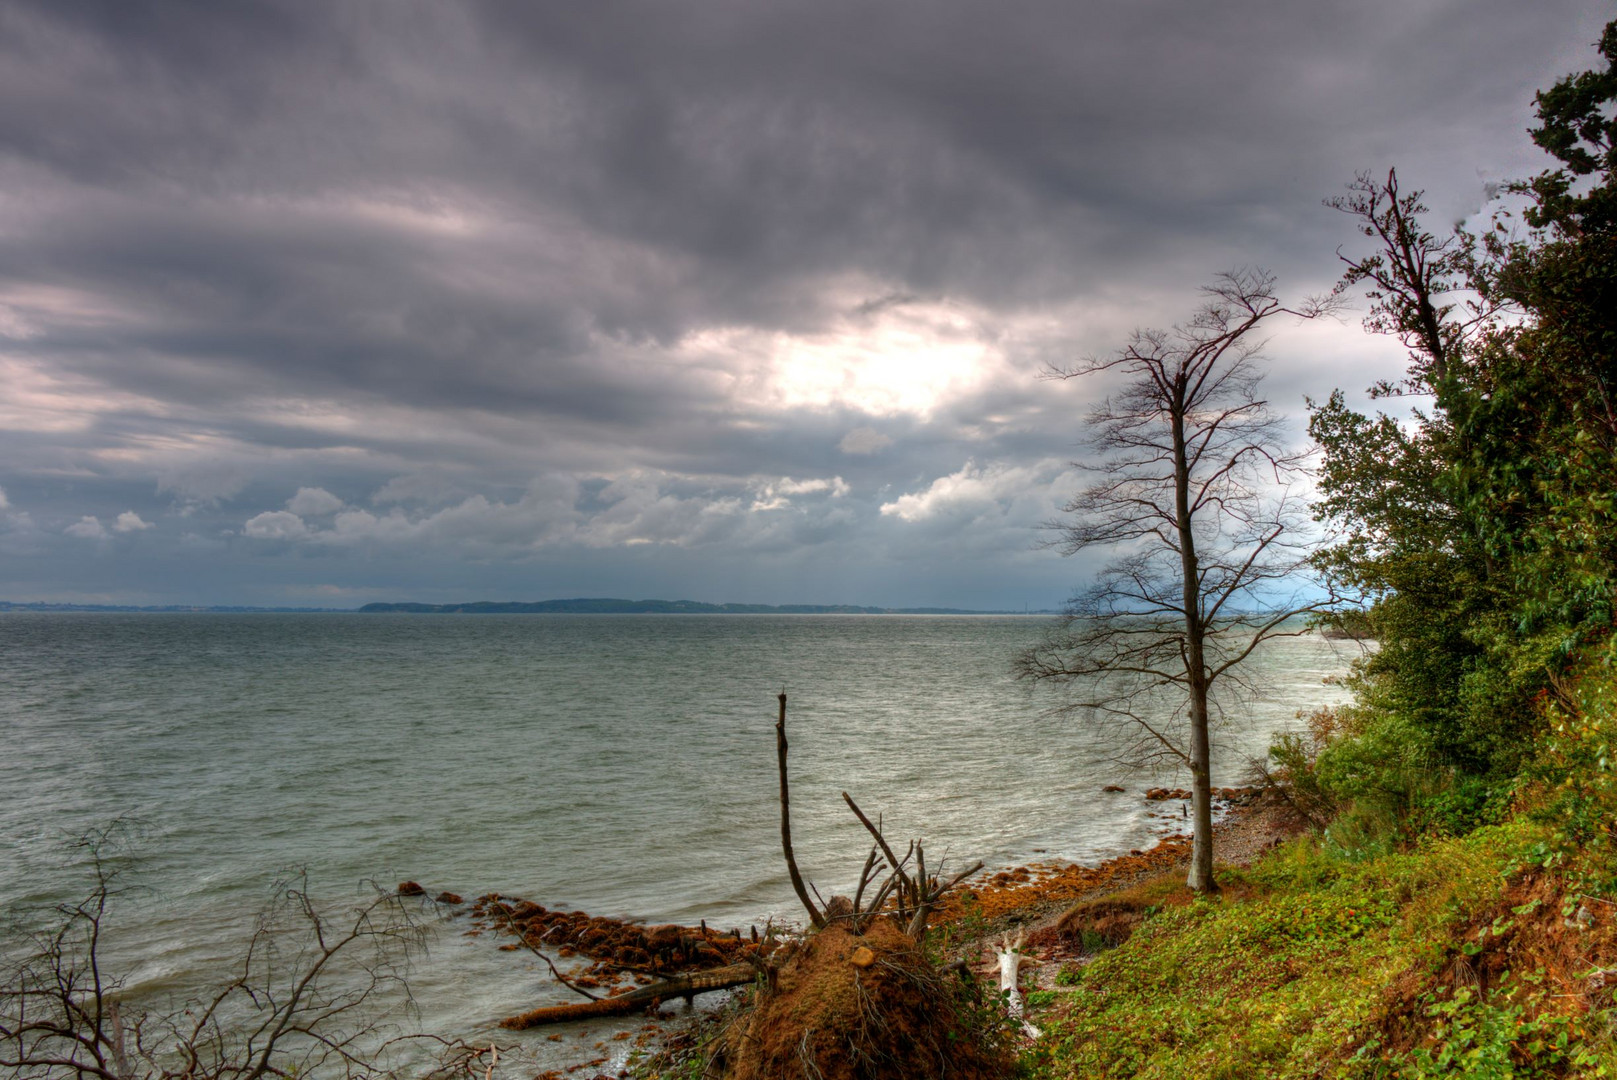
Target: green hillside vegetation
point(1453, 909)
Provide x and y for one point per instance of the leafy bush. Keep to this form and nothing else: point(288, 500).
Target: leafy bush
point(1370, 780)
point(1576, 772)
point(1501, 1035)
point(1282, 974)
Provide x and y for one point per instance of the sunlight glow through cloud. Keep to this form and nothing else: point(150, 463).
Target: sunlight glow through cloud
point(906, 359)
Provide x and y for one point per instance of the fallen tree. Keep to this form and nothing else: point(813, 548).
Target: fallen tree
point(856, 997)
point(637, 1000)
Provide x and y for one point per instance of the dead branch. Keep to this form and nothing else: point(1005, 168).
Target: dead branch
point(881, 841)
point(915, 897)
point(645, 997)
point(1010, 958)
point(1201, 506)
point(864, 877)
point(786, 820)
point(302, 1001)
point(558, 975)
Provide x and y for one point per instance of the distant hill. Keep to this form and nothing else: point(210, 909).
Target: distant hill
point(603, 606)
point(226, 609)
point(582, 606)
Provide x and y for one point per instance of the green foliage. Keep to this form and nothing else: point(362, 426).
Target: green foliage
point(1284, 974)
point(1293, 760)
point(1578, 770)
point(1425, 576)
point(1506, 1034)
point(1370, 781)
point(1578, 127)
point(1482, 534)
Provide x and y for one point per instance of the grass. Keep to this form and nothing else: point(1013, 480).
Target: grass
point(1306, 966)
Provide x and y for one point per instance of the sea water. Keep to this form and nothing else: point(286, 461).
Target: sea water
point(619, 764)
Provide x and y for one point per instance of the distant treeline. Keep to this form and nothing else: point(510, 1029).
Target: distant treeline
point(655, 607)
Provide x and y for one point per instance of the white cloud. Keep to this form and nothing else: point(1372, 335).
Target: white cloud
point(87, 528)
point(314, 502)
point(129, 521)
point(275, 525)
point(643, 513)
point(5, 503)
point(863, 440)
point(477, 527)
point(1023, 494)
point(636, 509)
point(775, 494)
point(836, 486)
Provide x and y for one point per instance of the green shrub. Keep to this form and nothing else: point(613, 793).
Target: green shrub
point(1502, 1035)
point(1577, 771)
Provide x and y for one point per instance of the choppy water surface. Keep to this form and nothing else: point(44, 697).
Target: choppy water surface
point(620, 764)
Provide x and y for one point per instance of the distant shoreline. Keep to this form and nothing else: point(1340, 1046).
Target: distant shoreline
point(168, 609)
point(581, 606)
point(608, 606)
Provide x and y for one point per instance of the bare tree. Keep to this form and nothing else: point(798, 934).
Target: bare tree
point(1194, 496)
point(303, 1000)
point(1415, 281)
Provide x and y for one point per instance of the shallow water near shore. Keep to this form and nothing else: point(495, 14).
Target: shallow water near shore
point(619, 764)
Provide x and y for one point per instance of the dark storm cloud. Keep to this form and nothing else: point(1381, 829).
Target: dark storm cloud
point(557, 285)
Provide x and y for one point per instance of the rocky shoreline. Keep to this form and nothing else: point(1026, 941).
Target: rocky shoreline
point(1251, 823)
point(623, 955)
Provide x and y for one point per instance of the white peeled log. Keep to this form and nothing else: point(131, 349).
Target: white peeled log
point(1010, 958)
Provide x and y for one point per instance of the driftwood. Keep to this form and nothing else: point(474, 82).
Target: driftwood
point(646, 997)
point(1011, 958)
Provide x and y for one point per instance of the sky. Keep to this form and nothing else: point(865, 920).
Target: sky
point(322, 304)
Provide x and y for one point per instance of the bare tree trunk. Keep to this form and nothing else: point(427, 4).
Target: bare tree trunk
point(1200, 878)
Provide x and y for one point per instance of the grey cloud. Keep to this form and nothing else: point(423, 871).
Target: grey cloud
point(313, 502)
point(413, 256)
point(863, 440)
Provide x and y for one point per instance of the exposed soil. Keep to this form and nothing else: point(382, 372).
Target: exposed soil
point(848, 1007)
point(1070, 911)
